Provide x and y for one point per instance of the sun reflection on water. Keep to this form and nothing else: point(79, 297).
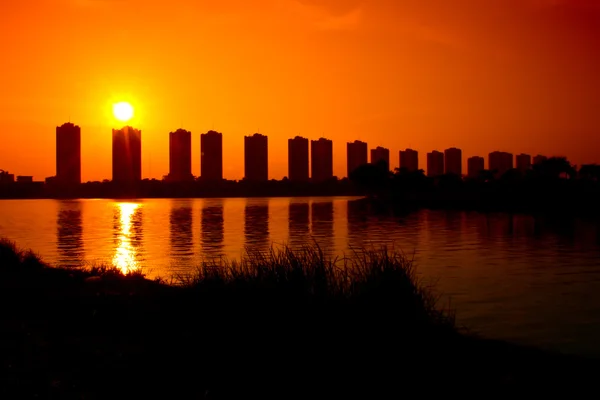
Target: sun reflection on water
point(125, 257)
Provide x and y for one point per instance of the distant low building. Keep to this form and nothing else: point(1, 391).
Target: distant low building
point(539, 159)
point(24, 179)
point(5, 177)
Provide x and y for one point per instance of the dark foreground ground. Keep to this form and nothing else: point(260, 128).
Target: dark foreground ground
point(285, 325)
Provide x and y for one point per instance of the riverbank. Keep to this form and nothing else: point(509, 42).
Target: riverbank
point(286, 324)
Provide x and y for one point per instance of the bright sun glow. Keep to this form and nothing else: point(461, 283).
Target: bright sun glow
point(123, 111)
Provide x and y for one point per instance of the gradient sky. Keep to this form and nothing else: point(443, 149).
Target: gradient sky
point(483, 75)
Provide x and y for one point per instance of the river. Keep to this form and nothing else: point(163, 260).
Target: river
point(524, 279)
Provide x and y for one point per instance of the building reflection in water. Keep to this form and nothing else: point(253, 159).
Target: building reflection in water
point(298, 223)
point(357, 215)
point(212, 228)
point(181, 231)
point(70, 234)
point(322, 224)
point(256, 225)
point(127, 228)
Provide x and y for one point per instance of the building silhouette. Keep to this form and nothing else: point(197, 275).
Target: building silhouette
point(500, 162)
point(379, 154)
point(24, 179)
point(5, 177)
point(453, 161)
point(435, 163)
point(180, 156)
point(211, 156)
point(68, 154)
point(356, 155)
point(256, 157)
point(409, 160)
point(298, 159)
point(475, 165)
point(523, 162)
point(539, 159)
point(126, 155)
point(321, 160)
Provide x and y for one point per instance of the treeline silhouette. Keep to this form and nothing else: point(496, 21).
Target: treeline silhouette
point(153, 188)
point(554, 185)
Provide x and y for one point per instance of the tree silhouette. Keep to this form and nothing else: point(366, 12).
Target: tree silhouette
point(372, 177)
point(486, 175)
point(590, 172)
point(554, 168)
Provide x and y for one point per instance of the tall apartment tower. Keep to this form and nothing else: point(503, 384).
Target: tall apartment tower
point(356, 155)
point(126, 155)
point(523, 162)
point(409, 160)
point(256, 157)
point(453, 161)
point(68, 154)
point(321, 160)
point(298, 159)
point(211, 156)
point(180, 156)
point(475, 165)
point(500, 162)
point(435, 163)
point(380, 154)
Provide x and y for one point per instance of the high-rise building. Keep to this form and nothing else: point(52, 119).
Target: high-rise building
point(409, 160)
point(380, 154)
point(298, 159)
point(453, 161)
point(475, 165)
point(126, 155)
point(539, 159)
point(435, 163)
point(68, 154)
point(180, 156)
point(500, 162)
point(523, 162)
point(256, 157)
point(356, 153)
point(211, 156)
point(321, 160)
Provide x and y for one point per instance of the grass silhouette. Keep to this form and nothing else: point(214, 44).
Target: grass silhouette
point(281, 324)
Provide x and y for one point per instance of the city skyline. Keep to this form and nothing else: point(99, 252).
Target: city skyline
point(438, 77)
point(315, 165)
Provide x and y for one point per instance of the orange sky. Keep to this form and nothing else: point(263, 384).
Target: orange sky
point(513, 75)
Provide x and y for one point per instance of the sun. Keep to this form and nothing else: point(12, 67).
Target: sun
point(123, 111)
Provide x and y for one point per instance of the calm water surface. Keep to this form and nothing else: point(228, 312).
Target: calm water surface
point(513, 277)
